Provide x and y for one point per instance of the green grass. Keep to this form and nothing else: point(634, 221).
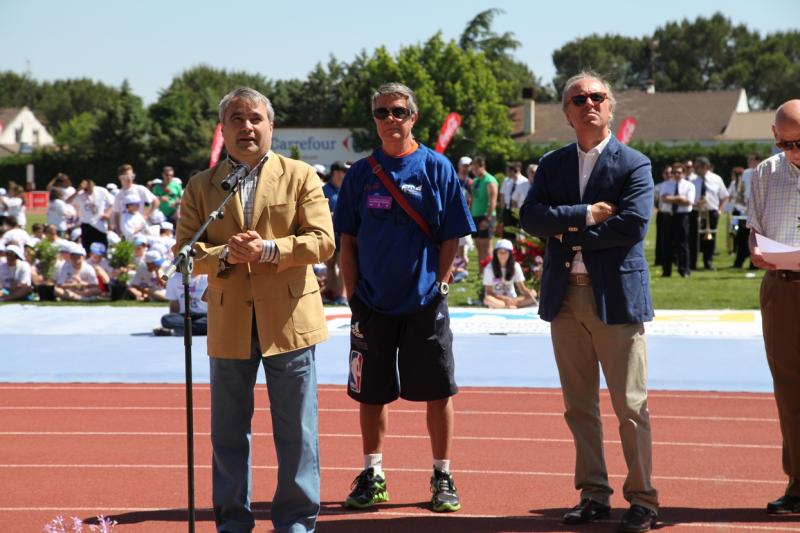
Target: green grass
point(723, 288)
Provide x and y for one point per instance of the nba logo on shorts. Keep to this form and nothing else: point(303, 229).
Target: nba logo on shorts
point(356, 361)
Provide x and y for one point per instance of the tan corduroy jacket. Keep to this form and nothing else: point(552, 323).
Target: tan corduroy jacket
point(290, 209)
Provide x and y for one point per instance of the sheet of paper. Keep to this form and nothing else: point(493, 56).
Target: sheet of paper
point(782, 256)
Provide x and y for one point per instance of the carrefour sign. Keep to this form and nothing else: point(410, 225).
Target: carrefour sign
point(317, 145)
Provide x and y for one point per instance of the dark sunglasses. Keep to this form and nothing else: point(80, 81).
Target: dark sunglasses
point(382, 113)
point(788, 145)
point(596, 98)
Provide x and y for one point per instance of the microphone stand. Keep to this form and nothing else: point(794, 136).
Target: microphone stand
point(184, 262)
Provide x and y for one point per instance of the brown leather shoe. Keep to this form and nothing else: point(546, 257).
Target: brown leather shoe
point(784, 505)
point(586, 511)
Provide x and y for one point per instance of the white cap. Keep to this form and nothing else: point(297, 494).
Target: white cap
point(153, 256)
point(504, 244)
point(16, 250)
point(3, 192)
point(156, 181)
point(320, 168)
point(466, 160)
point(167, 225)
point(74, 234)
point(77, 249)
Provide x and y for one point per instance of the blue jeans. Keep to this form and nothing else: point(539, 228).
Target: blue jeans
point(292, 387)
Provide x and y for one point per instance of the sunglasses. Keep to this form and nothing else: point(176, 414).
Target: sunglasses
point(382, 113)
point(596, 98)
point(788, 145)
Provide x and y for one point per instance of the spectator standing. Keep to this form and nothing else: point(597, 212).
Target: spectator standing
point(710, 196)
point(15, 275)
point(511, 199)
point(14, 204)
point(741, 198)
point(169, 193)
point(484, 205)
point(677, 198)
point(772, 212)
point(59, 213)
point(334, 288)
point(396, 275)
point(148, 202)
point(593, 200)
point(94, 205)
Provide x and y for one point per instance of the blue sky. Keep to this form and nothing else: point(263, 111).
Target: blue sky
point(149, 42)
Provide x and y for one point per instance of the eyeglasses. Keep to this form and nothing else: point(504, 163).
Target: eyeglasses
point(400, 113)
point(788, 145)
point(596, 98)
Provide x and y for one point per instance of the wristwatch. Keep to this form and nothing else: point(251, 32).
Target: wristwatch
point(444, 288)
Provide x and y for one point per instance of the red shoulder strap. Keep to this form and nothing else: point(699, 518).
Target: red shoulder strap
point(399, 198)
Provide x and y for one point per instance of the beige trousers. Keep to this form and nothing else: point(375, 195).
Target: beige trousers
point(780, 303)
point(582, 344)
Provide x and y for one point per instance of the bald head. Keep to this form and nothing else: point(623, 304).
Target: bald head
point(788, 114)
point(787, 130)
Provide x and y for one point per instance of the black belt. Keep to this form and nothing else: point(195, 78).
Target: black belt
point(786, 275)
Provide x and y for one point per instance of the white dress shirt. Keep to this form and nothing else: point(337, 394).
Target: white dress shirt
point(586, 163)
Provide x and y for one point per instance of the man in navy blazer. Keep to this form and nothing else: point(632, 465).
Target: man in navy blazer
point(592, 201)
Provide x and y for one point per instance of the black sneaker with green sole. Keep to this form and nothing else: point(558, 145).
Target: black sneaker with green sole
point(367, 490)
point(445, 496)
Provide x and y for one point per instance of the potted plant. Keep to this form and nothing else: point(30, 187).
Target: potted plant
point(121, 261)
point(46, 256)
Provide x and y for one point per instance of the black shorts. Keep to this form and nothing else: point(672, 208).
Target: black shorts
point(409, 357)
point(485, 233)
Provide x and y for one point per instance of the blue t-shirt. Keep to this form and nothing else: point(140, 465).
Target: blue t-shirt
point(397, 263)
point(331, 192)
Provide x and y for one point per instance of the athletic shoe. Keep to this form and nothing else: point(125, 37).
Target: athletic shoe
point(445, 496)
point(368, 489)
point(162, 332)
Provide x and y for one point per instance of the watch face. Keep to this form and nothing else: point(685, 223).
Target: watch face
point(444, 288)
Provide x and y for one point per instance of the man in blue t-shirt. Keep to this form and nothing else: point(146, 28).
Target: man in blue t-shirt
point(396, 278)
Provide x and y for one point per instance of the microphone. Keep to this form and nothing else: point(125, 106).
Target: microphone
point(236, 175)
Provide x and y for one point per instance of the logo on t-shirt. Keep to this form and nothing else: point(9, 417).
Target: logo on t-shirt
point(408, 188)
point(356, 363)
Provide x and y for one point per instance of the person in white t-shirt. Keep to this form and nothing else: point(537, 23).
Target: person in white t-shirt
point(15, 275)
point(511, 199)
point(132, 222)
point(14, 204)
point(94, 205)
point(172, 322)
point(147, 285)
point(77, 281)
point(148, 202)
point(14, 234)
point(504, 281)
point(60, 213)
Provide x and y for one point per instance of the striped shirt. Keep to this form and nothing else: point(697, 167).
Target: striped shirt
point(774, 204)
point(247, 195)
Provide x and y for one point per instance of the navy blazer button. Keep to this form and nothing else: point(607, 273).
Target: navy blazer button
point(567, 264)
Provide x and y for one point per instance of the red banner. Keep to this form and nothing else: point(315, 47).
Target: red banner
point(216, 146)
point(626, 129)
point(449, 127)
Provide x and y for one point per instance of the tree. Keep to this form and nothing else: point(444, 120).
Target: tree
point(122, 136)
point(512, 75)
point(776, 71)
point(622, 60)
point(445, 78)
point(186, 113)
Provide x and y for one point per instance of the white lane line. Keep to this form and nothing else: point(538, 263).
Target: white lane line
point(389, 436)
point(356, 469)
point(559, 414)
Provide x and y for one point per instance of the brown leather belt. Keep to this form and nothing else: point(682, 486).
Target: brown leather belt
point(785, 275)
point(581, 280)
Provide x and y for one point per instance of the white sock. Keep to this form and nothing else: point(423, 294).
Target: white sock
point(374, 461)
point(442, 465)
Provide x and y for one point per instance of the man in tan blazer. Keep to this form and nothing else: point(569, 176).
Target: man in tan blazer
point(264, 307)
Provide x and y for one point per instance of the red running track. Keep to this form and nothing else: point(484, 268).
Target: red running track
point(119, 450)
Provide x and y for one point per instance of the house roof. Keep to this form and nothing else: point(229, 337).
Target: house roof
point(665, 117)
point(752, 126)
point(7, 114)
